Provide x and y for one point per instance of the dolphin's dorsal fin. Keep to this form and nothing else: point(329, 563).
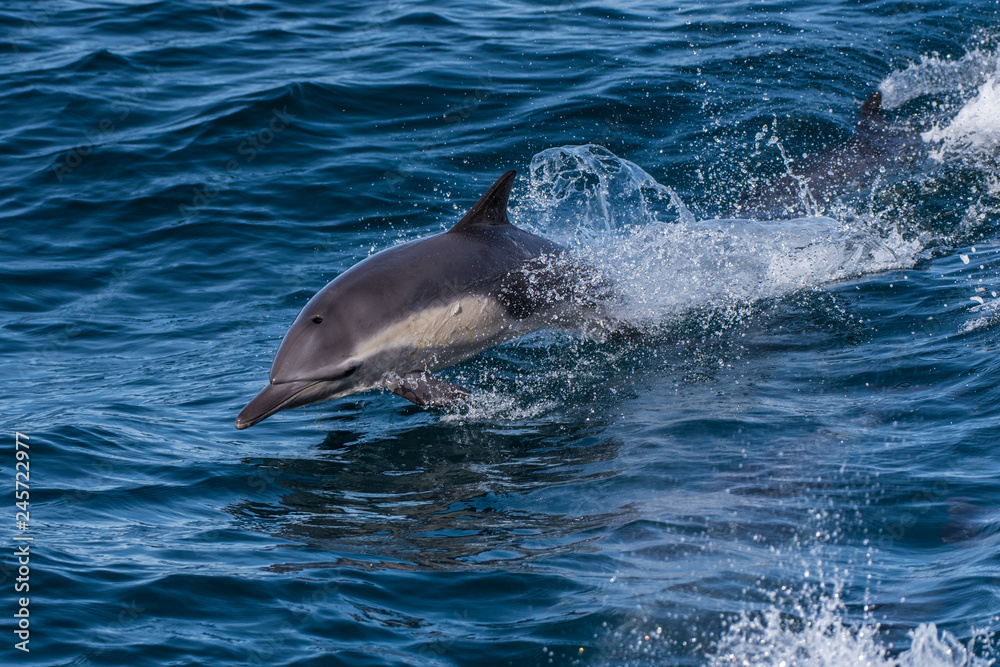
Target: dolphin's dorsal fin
point(491, 209)
point(870, 116)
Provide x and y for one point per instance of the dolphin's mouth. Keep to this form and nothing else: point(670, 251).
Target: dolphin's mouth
point(272, 398)
point(278, 396)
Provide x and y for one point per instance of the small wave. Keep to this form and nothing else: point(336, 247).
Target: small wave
point(987, 315)
point(943, 75)
point(965, 97)
point(974, 130)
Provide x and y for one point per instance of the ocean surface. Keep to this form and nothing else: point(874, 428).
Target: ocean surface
point(798, 463)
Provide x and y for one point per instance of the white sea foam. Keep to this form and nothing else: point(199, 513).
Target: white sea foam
point(975, 129)
point(816, 631)
point(987, 315)
point(965, 92)
point(669, 268)
point(942, 75)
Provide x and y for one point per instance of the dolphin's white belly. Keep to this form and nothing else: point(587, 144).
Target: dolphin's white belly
point(440, 335)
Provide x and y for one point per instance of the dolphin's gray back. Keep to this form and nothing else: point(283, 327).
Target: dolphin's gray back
point(438, 269)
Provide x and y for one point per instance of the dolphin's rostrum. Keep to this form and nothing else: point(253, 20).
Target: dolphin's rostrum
point(392, 319)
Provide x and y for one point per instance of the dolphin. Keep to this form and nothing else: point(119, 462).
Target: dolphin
point(873, 150)
point(392, 319)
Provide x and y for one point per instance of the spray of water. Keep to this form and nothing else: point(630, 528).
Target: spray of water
point(966, 92)
point(943, 75)
point(814, 634)
point(665, 264)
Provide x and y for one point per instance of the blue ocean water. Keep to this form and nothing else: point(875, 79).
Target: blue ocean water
point(799, 467)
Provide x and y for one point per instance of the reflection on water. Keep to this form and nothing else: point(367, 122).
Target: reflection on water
point(435, 497)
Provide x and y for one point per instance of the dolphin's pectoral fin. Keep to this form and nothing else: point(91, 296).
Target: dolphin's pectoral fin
point(424, 389)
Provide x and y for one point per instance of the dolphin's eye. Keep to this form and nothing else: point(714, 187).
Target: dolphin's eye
point(318, 319)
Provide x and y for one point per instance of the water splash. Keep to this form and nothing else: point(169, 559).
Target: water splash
point(938, 74)
point(580, 193)
point(818, 635)
point(666, 270)
point(987, 315)
point(965, 96)
point(973, 134)
point(664, 263)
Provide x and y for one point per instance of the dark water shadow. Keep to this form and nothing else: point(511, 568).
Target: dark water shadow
point(438, 496)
